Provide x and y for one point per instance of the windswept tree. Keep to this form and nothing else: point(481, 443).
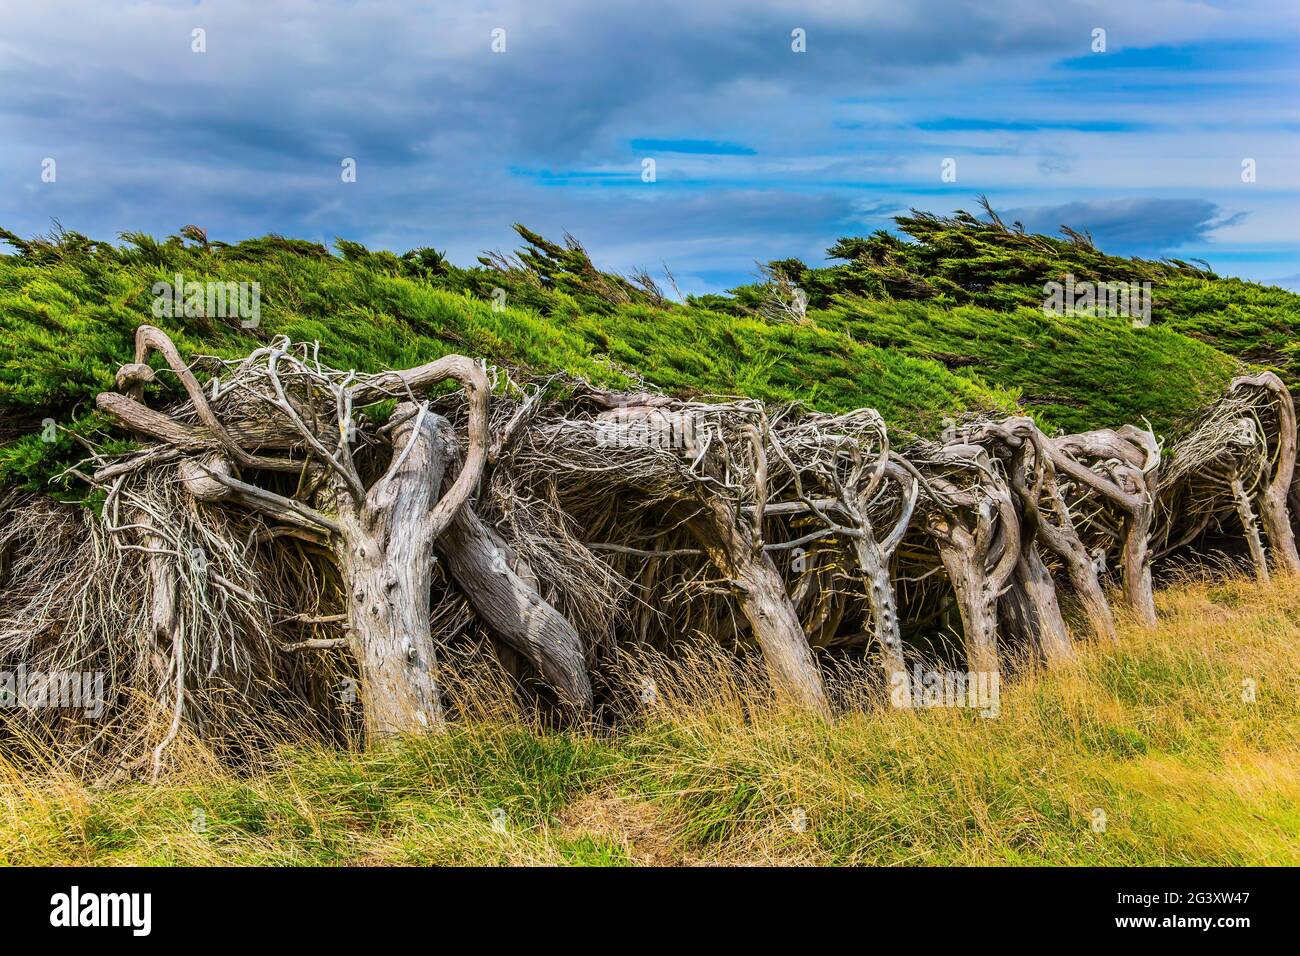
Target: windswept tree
point(975, 523)
point(1277, 478)
point(1238, 460)
point(1050, 518)
point(839, 474)
point(281, 435)
point(684, 468)
point(1118, 470)
point(384, 512)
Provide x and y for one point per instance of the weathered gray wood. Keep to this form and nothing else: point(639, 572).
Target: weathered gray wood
point(874, 554)
point(1062, 538)
point(1135, 562)
point(765, 604)
point(977, 597)
point(979, 546)
point(1034, 581)
point(1250, 527)
point(1054, 525)
point(1132, 457)
point(486, 573)
point(1272, 498)
point(387, 564)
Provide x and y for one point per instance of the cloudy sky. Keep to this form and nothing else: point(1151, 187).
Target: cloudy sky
point(759, 151)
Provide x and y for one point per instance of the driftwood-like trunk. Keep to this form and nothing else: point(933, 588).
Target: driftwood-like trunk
point(1124, 478)
point(1273, 497)
point(765, 604)
point(1034, 592)
point(507, 602)
point(1135, 563)
point(843, 477)
point(977, 604)
point(1048, 518)
point(874, 555)
point(1250, 527)
point(381, 537)
point(886, 628)
point(1082, 571)
point(388, 585)
point(1091, 595)
point(699, 475)
point(168, 632)
point(1034, 581)
point(978, 536)
point(386, 559)
point(977, 599)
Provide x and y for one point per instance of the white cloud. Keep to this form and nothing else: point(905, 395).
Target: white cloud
point(247, 137)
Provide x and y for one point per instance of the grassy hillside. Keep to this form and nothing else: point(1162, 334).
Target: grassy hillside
point(1156, 732)
point(943, 325)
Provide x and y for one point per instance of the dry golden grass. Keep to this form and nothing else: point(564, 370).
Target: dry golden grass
point(1161, 734)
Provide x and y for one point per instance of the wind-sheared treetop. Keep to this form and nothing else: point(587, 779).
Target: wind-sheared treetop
point(941, 321)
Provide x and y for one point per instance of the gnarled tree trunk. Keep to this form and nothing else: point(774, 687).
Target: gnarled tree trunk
point(874, 556)
point(480, 563)
point(382, 537)
point(1054, 525)
point(765, 604)
point(1273, 497)
point(885, 626)
point(388, 628)
point(977, 599)
point(978, 536)
point(1127, 459)
point(1034, 581)
point(386, 558)
point(1249, 527)
point(1092, 596)
point(1135, 561)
